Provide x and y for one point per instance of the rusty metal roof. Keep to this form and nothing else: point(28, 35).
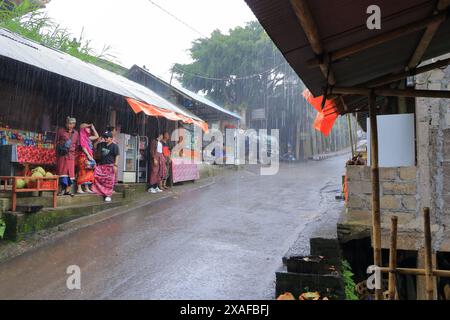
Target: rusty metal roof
point(18, 48)
point(341, 23)
point(141, 76)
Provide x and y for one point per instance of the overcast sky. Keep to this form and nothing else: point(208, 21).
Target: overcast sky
point(141, 33)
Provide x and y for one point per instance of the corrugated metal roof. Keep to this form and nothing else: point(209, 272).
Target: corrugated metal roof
point(29, 52)
point(192, 95)
point(343, 23)
point(201, 99)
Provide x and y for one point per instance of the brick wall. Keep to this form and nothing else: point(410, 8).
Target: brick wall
point(398, 191)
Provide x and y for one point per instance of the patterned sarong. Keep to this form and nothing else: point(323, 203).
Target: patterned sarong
point(104, 180)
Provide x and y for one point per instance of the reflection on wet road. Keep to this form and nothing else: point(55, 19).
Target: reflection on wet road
point(220, 242)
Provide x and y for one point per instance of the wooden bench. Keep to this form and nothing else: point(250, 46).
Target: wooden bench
point(9, 184)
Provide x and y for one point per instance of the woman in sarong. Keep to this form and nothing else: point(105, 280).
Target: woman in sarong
point(66, 146)
point(106, 169)
point(158, 169)
point(85, 158)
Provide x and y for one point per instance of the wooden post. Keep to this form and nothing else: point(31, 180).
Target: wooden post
point(393, 259)
point(14, 195)
point(55, 193)
point(418, 272)
point(376, 219)
point(428, 255)
point(349, 120)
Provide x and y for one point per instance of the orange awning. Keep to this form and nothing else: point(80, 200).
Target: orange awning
point(325, 117)
point(153, 111)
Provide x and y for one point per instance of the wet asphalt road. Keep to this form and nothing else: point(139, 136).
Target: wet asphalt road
point(224, 241)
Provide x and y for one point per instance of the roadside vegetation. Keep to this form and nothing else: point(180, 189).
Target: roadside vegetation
point(30, 21)
point(349, 283)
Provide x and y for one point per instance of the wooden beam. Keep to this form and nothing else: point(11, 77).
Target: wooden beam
point(413, 93)
point(382, 38)
point(399, 76)
point(309, 26)
point(376, 217)
point(443, 4)
point(391, 92)
point(424, 43)
point(418, 272)
point(428, 35)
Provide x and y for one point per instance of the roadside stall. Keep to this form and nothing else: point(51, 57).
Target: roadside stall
point(21, 149)
point(23, 154)
point(185, 161)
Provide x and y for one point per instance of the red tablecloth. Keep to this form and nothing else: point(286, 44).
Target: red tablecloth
point(35, 155)
point(184, 170)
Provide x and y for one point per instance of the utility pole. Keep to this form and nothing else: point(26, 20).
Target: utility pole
point(171, 77)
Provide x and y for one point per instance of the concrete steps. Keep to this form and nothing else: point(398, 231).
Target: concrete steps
point(318, 272)
point(46, 200)
point(20, 225)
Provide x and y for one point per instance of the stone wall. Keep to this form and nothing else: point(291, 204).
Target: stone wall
point(433, 149)
point(398, 191)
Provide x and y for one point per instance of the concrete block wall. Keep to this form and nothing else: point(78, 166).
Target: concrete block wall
point(398, 191)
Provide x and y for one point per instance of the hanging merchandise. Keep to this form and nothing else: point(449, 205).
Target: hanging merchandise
point(25, 138)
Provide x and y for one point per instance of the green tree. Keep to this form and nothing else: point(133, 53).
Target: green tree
point(27, 20)
point(250, 66)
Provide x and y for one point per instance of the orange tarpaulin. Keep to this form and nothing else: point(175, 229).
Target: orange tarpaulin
point(154, 111)
point(325, 117)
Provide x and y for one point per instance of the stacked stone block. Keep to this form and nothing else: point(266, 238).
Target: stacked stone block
point(398, 190)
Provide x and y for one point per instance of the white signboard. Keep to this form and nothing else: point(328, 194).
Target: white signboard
point(259, 114)
point(396, 136)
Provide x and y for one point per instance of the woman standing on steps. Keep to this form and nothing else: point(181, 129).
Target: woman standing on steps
point(107, 153)
point(66, 147)
point(158, 161)
point(85, 158)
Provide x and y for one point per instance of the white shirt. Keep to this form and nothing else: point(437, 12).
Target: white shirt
point(159, 148)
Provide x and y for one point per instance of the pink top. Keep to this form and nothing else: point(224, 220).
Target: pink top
point(85, 142)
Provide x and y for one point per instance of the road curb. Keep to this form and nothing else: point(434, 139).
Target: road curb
point(11, 250)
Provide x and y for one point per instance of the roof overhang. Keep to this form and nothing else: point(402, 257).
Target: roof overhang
point(204, 107)
point(17, 48)
point(329, 45)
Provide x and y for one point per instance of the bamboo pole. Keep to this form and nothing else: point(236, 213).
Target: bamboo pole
point(428, 255)
point(418, 272)
point(376, 219)
point(399, 76)
point(393, 259)
point(355, 133)
point(349, 120)
point(306, 19)
point(427, 36)
point(445, 94)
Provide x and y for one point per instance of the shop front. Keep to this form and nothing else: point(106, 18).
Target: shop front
point(40, 88)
